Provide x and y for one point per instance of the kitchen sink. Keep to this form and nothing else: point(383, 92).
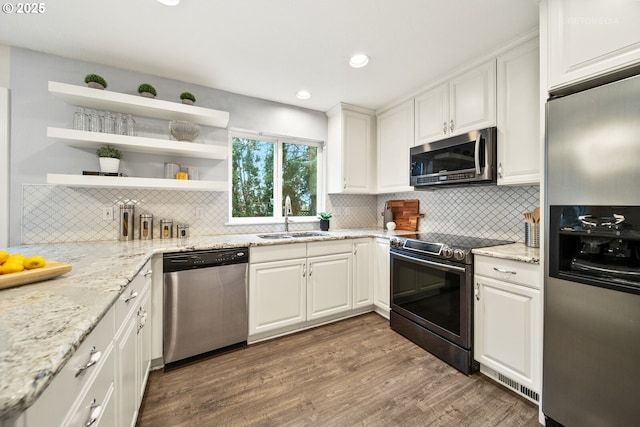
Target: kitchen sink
point(298, 235)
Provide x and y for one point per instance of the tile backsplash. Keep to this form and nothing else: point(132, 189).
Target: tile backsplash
point(66, 214)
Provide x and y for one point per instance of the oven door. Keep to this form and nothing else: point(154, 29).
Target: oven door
point(434, 294)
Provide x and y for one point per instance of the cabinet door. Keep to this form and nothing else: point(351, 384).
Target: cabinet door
point(143, 352)
point(472, 99)
point(432, 115)
point(395, 138)
point(362, 273)
point(507, 330)
point(277, 295)
point(329, 285)
point(589, 38)
point(382, 289)
point(518, 115)
point(126, 373)
point(356, 147)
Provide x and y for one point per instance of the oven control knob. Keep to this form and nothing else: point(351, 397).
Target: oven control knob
point(447, 252)
point(459, 254)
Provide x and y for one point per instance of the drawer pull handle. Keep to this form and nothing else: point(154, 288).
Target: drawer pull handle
point(148, 273)
point(502, 270)
point(477, 292)
point(132, 295)
point(94, 356)
point(142, 315)
point(96, 409)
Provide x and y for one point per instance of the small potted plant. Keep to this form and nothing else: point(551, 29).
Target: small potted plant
point(95, 81)
point(109, 158)
point(187, 98)
point(324, 220)
point(146, 90)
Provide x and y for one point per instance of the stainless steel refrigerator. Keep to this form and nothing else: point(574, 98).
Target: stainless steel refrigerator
point(591, 354)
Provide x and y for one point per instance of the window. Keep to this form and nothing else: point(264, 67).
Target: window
point(264, 171)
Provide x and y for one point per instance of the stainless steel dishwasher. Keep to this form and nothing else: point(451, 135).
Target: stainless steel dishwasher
point(205, 301)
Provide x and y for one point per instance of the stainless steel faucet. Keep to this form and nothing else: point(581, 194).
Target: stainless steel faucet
point(287, 212)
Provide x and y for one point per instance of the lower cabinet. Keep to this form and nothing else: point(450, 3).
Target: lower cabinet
point(381, 279)
point(507, 327)
point(133, 347)
point(298, 285)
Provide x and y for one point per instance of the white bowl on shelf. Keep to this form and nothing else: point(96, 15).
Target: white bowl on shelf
point(183, 130)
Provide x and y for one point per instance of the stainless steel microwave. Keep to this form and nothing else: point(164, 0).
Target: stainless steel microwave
point(464, 159)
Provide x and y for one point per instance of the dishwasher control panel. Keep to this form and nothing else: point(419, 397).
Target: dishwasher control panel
point(205, 258)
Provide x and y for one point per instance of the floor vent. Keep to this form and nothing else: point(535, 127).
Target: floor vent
point(512, 384)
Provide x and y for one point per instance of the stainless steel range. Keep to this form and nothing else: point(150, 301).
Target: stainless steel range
point(432, 293)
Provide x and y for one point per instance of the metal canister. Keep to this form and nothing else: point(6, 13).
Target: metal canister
point(125, 231)
point(166, 229)
point(146, 227)
point(182, 230)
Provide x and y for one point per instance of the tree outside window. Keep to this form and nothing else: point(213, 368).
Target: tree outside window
point(264, 171)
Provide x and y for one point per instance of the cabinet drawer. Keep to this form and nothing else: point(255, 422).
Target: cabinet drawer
point(127, 301)
point(277, 252)
point(97, 402)
point(53, 405)
point(507, 270)
point(329, 247)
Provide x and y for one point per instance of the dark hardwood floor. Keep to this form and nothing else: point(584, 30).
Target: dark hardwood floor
point(357, 372)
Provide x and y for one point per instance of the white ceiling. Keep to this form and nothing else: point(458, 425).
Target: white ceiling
point(272, 48)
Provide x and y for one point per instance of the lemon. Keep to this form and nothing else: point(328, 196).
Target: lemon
point(34, 262)
point(11, 267)
point(15, 257)
point(3, 256)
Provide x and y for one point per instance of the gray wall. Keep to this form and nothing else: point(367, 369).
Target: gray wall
point(33, 109)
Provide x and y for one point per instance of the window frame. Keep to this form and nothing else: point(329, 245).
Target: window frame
point(278, 141)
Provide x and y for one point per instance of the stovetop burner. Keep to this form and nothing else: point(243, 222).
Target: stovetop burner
point(444, 246)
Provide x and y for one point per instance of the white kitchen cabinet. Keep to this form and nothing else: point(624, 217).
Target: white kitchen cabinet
point(395, 132)
point(591, 38)
point(507, 313)
point(88, 374)
point(362, 273)
point(329, 285)
point(277, 294)
point(350, 150)
point(518, 92)
point(381, 279)
point(464, 103)
point(132, 345)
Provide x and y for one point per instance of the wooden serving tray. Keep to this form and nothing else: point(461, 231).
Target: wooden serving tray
point(405, 213)
point(49, 271)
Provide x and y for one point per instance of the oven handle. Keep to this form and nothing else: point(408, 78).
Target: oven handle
point(477, 153)
point(437, 265)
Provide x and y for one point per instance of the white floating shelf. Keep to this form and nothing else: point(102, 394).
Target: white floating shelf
point(132, 182)
point(137, 105)
point(137, 144)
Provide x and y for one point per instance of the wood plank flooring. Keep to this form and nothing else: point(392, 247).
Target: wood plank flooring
point(356, 372)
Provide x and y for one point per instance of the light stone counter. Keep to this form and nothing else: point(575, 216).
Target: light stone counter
point(514, 251)
point(42, 324)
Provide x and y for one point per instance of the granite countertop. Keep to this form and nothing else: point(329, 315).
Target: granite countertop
point(42, 324)
point(513, 251)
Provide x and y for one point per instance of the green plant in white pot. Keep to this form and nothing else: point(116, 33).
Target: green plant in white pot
point(109, 158)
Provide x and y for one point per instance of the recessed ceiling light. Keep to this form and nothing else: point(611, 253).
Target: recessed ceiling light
point(303, 94)
point(169, 2)
point(359, 60)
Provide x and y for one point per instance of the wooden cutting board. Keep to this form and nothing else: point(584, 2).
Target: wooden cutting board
point(49, 271)
point(405, 213)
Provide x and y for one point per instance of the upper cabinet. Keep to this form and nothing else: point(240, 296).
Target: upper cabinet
point(518, 123)
point(350, 150)
point(466, 102)
point(591, 38)
point(395, 138)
